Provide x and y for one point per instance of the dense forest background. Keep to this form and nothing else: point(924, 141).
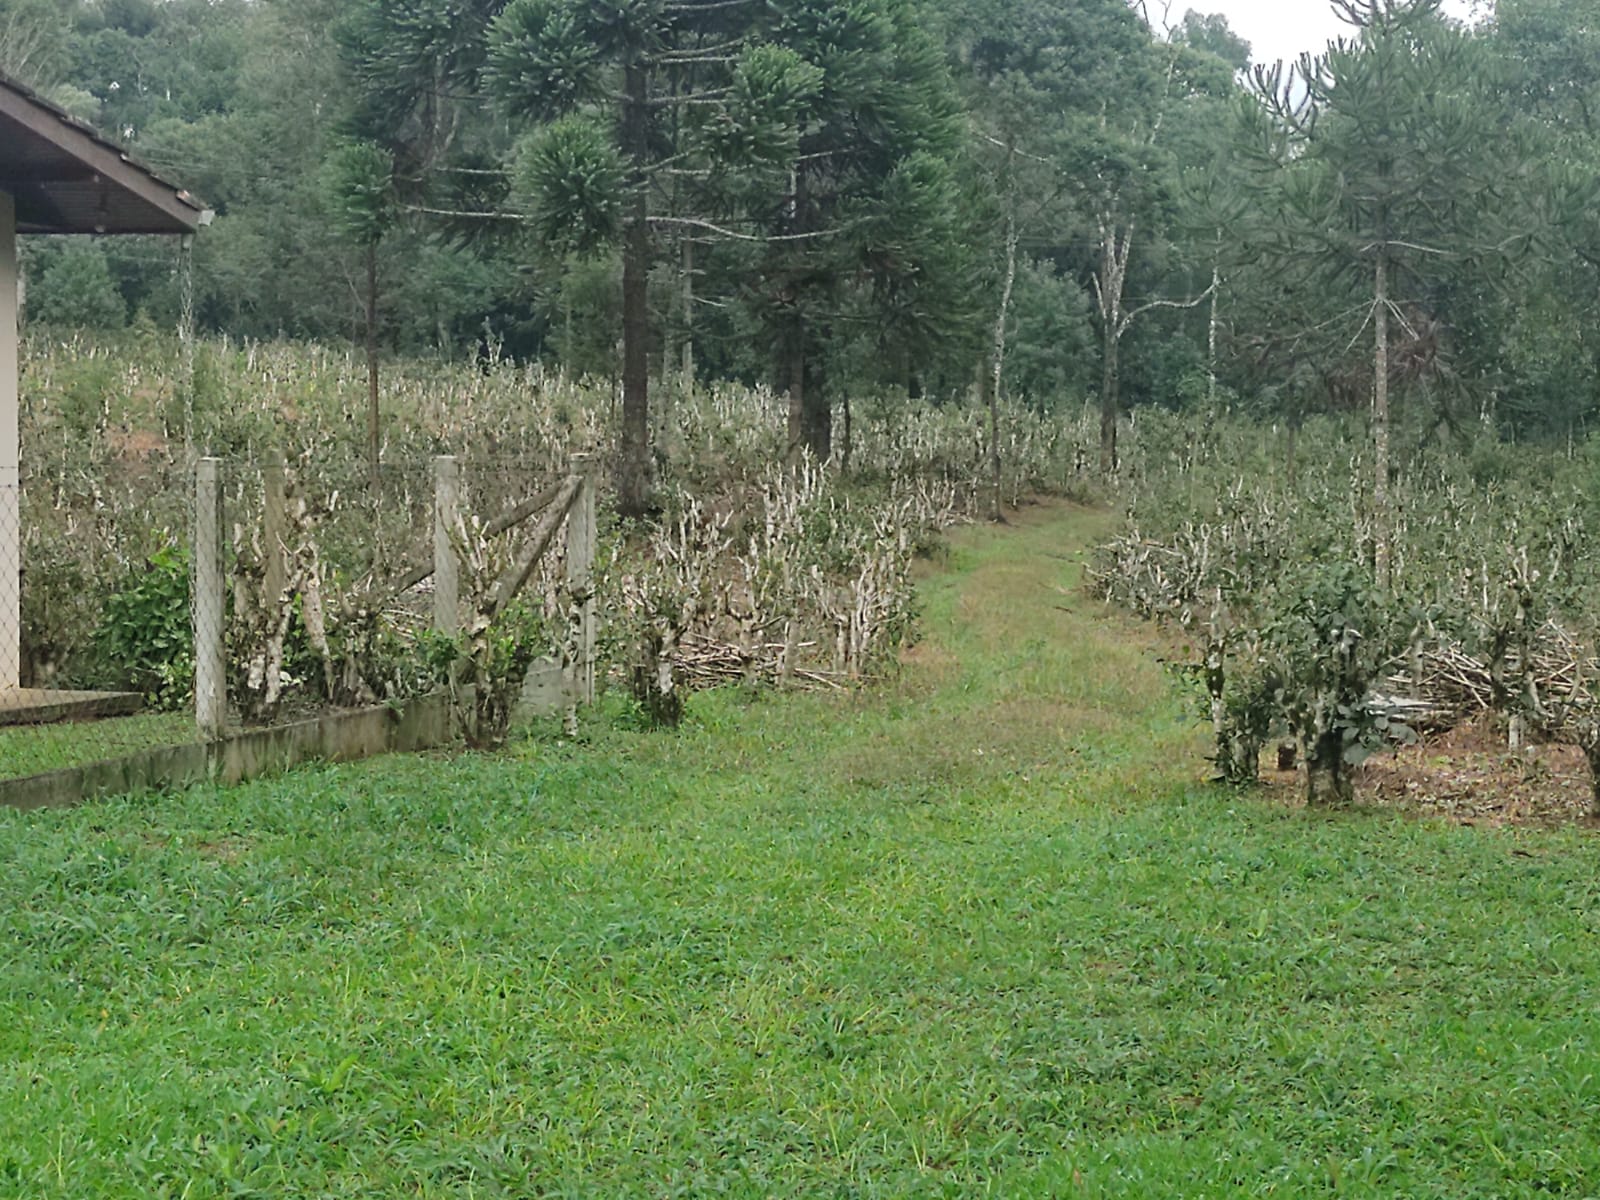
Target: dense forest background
point(1067, 202)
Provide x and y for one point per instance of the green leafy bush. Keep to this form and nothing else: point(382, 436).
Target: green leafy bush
point(1323, 649)
point(147, 637)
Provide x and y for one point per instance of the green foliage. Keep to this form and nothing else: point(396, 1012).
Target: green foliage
point(1491, 607)
point(1210, 33)
point(357, 180)
point(772, 92)
point(76, 288)
point(61, 610)
point(541, 63)
point(1324, 644)
point(498, 658)
point(1481, 169)
point(1051, 350)
point(868, 251)
point(571, 177)
point(146, 638)
point(35, 43)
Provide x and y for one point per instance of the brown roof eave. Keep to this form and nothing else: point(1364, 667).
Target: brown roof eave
point(100, 157)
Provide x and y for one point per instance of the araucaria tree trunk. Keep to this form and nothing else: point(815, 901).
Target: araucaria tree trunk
point(810, 413)
point(633, 460)
point(686, 280)
point(374, 429)
point(1000, 355)
point(1382, 525)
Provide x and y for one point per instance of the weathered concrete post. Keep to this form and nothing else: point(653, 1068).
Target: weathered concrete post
point(274, 528)
point(446, 569)
point(210, 672)
point(580, 580)
point(10, 471)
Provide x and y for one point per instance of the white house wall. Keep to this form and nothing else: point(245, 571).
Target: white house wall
point(10, 479)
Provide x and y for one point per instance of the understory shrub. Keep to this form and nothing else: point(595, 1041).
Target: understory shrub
point(755, 572)
point(1493, 605)
point(146, 639)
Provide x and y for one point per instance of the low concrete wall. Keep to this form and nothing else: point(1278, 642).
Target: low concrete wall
point(41, 706)
point(339, 737)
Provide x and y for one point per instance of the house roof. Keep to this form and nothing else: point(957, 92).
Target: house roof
point(66, 178)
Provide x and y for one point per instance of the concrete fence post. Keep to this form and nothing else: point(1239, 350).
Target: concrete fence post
point(210, 598)
point(446, 568)
point(580, 579)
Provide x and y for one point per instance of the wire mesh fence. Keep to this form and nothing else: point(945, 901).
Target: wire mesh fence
point(256, 593)
point(93, 614)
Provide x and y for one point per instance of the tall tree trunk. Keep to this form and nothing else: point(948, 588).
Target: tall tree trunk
point(848, 438)
point(568, 346)
point(794, 382)
point(374, 430)
point(1211, 332)
point(687, 266)
point(1382, 548)
point(1108, 404)
point(1000, 356)
point(677, 360)
point(667, 377)
point(810, 412)
point(1109, 282)
point(633, 460)
point(819, 422)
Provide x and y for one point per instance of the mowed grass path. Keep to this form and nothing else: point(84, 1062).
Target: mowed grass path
point(977, 933)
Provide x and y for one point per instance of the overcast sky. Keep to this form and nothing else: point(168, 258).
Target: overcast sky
point(1283, 28)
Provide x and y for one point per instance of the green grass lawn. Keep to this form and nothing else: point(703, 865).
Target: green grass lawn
point(977, 933)
point(35, 749)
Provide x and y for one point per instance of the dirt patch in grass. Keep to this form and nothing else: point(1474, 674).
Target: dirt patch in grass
point(928, 656)
point(1014, 738)
point(1470, 775)
point(223, 849)
point(229, 849)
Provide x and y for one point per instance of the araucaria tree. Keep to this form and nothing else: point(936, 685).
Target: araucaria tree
point(1388, 154)
point(596, 75)
point(866, 210)
point(359, 186)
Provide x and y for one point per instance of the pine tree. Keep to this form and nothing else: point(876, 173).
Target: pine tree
point(576, 67)
point(1387, 151)
point(867, 206)
point(358, 180)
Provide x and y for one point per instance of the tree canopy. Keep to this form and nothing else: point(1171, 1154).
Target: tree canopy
point(1058, 202)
